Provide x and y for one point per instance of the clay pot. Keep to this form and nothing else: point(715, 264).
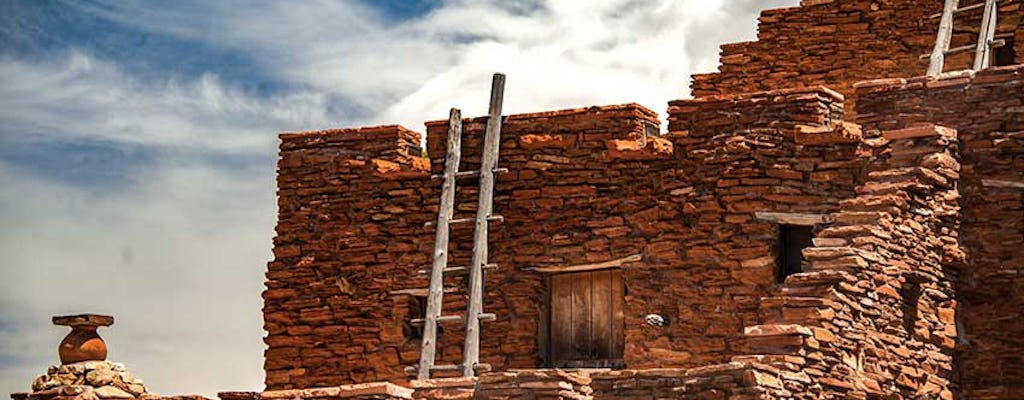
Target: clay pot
point(82, 344)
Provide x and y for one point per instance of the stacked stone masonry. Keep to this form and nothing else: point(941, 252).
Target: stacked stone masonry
point(840, 42)
point(911, 287)
point(582, 188)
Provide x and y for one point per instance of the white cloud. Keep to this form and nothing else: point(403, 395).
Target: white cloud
point(177, 259)
point(80, 97)
point(178, 256)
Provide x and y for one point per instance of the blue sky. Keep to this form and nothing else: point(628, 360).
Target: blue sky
point(138, 141)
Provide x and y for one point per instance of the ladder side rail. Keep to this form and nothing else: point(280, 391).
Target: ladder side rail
point(440, 260)
point(987, 34)
point(945, 35)
point(492, 142)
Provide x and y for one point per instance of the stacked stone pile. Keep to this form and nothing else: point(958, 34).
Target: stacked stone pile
point(461, 388)
point(873, 314)
point(535, 384)
point(87, 380)
point(987, 109)
point(733, 380)
point(838, 43)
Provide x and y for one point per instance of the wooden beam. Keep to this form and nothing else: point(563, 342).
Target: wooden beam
point(417, 292)
point(793, 218)
point(485, 207)
point(587, 267)
point(440, 260)
point(983, 54)
point(1002, 184)
point(938, 57)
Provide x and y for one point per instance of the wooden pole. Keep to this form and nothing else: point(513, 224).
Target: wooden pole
point(983, 53)
point(938, 58)
point(485, 205)
point(444, 214)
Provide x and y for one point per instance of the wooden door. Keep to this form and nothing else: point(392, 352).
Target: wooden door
point(586, 319)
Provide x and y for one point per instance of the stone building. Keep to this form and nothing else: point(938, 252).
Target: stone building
point(819, 221)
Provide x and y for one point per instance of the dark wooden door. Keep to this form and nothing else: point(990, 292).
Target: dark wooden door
point(586, 319)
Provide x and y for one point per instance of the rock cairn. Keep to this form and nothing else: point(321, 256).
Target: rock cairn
point(87, 380)
point(84, 373)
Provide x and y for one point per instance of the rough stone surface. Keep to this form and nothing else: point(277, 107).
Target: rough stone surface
point(896, 298)
point(838, 43)
point(912, 287)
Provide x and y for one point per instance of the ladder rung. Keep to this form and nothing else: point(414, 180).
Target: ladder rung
point(465, 174)
point(479, 367)
point(455, 318)
point(443, 318)
point(992, 44)
point(963, 9)
point(442, 367)
point(493, 218)
point(460, 270)
point(421, 292)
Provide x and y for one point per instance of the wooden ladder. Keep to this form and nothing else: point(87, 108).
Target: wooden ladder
point(485, 204)
point(986, 36)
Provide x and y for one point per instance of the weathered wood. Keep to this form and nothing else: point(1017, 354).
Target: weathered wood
point(1002, 184)
point(441, 237)
point(581, 304)
point(485, 205)
point(618, 336)
point(971, 7)
point(983, 54)
point(938, 58)
point(587, 267)
point(601, 313)
point(793, 218)
point(586, 320)
point(561, 317)
point(417, 292)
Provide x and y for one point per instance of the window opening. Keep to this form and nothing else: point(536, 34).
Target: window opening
point(911, 293)
point(417, 309)
point(793, 239)
point(1005, 54)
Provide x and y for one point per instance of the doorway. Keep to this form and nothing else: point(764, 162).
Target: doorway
point(586, 319)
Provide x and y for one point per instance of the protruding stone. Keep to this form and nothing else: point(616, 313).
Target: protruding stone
point(83, 319)
point(112, 392)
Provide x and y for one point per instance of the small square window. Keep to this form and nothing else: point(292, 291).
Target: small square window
point(1005, 54)
point(793, 239)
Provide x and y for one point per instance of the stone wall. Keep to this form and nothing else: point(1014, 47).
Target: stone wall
point(344, 239)
point(537, 384)
point(584, 186)
point(873, 314)
point(734, 381)
point(838, 43)
point(362, 391)
point(987, 109)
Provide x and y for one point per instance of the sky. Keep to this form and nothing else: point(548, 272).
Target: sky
point(138, 141)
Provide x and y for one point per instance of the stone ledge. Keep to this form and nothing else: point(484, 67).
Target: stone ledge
point(589, 112)
point(785, 95)
point(948, 80)
point(920, 131)
point(84, 320)
point(387, 389)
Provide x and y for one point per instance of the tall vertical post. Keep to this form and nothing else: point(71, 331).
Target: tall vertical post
point(440, 262)
point(485, 204)
point(983, 53)
point(938, 58)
